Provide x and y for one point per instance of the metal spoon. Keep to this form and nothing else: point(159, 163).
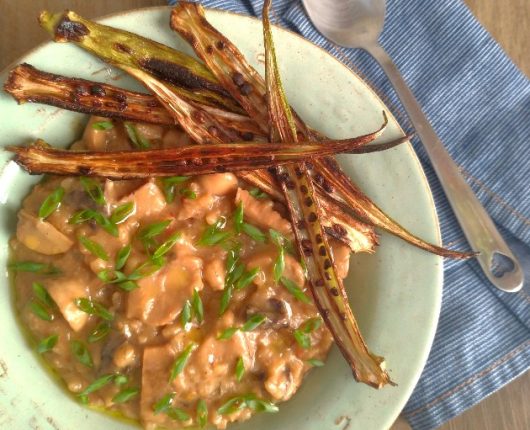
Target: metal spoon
point(358, 24)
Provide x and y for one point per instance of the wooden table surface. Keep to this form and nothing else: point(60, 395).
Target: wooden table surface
point(509, 23)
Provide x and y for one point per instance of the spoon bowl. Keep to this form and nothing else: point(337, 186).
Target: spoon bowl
point(358, 24)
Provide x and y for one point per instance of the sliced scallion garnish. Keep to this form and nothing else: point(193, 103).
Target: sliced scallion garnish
point(94, 248)
point(181, 361)
point(93, 189)
point(47, 344)
point(81, 353)
point(51, 203)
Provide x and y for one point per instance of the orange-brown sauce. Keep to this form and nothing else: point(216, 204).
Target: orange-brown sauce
point(147, 331)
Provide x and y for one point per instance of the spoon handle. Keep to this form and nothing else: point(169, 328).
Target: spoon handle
point(478, 227)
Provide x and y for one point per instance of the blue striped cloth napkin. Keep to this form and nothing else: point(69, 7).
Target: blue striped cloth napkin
point(479, 104)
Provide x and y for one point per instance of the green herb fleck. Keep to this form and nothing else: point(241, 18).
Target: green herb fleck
point(167, 245)
point(181, 361)
point(120, 379)
point(93, 308)
point(188, 193)
point(225, 299)
point(281, 241)
point(32, 267)
point(227, 333)
point(102, 125)
point(315, 362)
point(214, 235)
point(168, 186)
point(122, 256)
point(202, 413)
point(98, 384)
point(279, 265)
point(152, 230)
point(198, 308)
point(185, 315)
point(253, 322)
point(93, 189)
point(295, 290)
point(301, 334)
point(125, 395)
point(178, 414)
point(254, 232)
point(94, 248)
point(257, 193)
point(163, 404)
point(47, 344)
point(40, 310)
point(91, 215)
point(100, 332)
point(238, 217)
point(246, 278)
point(42, 294)
point(136, 137)
point(248, 401)
point(81, 352)
point(240, 369)
point(51, 203)
point(122, 212)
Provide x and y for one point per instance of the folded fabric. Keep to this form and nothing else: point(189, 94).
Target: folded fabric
point(479, 104)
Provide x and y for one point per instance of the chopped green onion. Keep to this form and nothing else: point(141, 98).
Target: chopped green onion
point(246, 278)
point(315, 362)
point(279, 265)
point(122, 256)
point(257, 193)
point(146, 269)
point(248, 401)
point(213, 234)
point(163, 404)
point(81, 352)
point(181, 361)
point(227, 333)
point(253, 322)
point(167, 245)
point(202, 413)
point(47, 344)
point(97, 384)
point(128, 285)
point(93, 308)
point(93, 189)
point(238, 217)
point(240, 369)
point(281, 241)
point(198, 307)
point(152, 230)
point(125, 395)
point(111, 276)
point(122, 212)
point(302, 339)
point(101, 220)
point(301, 334)
point(100, 332)
point(42, 294)
point(185, 315)
point(295, 290)
point(32, 267)
point(225, 299)
point(136, 138)
point(254, 232)
point(51, 203)
point(188, 193)
point(40, 310)
point(94, 248)
point(102, 125)
point(178, 414)
point(120, 379)
point(168, 186)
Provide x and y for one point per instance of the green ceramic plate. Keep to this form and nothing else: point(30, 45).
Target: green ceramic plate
point(395, 293)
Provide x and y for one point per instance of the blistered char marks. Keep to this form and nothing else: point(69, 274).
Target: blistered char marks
point(70, 30)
